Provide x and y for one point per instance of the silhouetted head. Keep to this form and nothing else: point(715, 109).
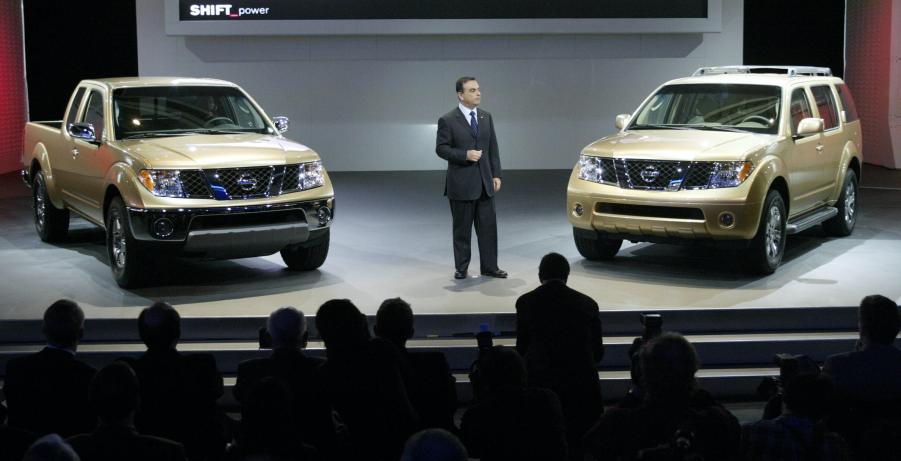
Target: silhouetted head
point(64, 324)
point(287, 328)
point(553, 267)
point(50, 447)
point(808, 395)
point(341, 326)
point(434, 445)
point(114, 393)
point(502, 370)
point(159, 326)
point(668, 366)
point(878, 319)
point(394, 321)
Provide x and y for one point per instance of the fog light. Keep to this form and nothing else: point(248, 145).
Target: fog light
point(578, 209)
point(324, 214)
point(163, 227)
point(727, 219)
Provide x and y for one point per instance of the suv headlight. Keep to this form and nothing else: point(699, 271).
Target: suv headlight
point(729, 174)
point(162, 183)
point(310, 175)
point(590, 168)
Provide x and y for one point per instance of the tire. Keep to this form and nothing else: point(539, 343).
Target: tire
point(308, 255)
point(768, 245)
point(50, 222)
point(597, 249)
point(127, 258)
point(843, 224)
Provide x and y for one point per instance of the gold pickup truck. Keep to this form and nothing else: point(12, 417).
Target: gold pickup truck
point(736, 155)
point(177, 166)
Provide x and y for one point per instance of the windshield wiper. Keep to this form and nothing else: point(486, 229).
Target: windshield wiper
point(720, 128)
point(155, 134)
point(659, 126)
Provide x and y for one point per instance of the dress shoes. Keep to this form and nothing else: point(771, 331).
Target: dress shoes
point(460, 275)
point(497, 273)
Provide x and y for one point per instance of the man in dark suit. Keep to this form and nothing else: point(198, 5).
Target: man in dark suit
point(467, 141)
point(558, 332)
point(48, 391)
point(178, 391)
point(312, 413)
point(115, 398)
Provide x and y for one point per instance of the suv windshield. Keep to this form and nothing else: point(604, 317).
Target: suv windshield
point(712, 106)
point(177, 110)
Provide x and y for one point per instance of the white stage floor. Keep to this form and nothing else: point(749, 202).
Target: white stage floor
point(392, 237)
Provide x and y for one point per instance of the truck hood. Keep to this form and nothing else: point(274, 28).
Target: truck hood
point(217, 151)
point(684, 145)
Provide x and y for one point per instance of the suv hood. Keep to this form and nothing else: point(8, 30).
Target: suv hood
point(217, 151)
point(685, 145)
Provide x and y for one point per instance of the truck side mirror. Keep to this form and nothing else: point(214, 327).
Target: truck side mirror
point(281, 123)
point(622, 120)
point(809, 126)
point(83, 131)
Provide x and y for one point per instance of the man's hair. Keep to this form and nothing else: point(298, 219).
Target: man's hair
point(553, 266)
point(159, 326)
point(434, 445)
point(462, 81)
point(879, 320)
point(502, 369)
point(394, 320)
point(808, 395)
point(50, 447)
point(114, 392)
point(287, 327)
point(668, 366)
point(63, 323)
point(341, 326)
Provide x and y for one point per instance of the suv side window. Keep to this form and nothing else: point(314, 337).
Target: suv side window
point(800, 109)
point(847, 102)
point(73, 111)
point(826, 106)
point(93, 114)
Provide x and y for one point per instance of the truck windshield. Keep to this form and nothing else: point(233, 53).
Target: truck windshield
point(708, 106)
point(179, 110)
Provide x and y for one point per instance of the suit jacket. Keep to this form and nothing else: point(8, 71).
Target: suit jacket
point(302, 374)
point(558, 333)
point(432, 389)
point(870, 375)
point(117, 443)
point(48, 392)
point(465, 180)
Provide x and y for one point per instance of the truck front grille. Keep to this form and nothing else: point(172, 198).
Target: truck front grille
point(194, 184)
point(240, 183)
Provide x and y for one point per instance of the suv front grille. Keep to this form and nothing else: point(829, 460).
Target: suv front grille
point(655, 174)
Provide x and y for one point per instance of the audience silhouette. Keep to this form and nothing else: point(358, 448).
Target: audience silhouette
point(434, 445)
point(47, 392)
point(50, 447)
point(558, 333)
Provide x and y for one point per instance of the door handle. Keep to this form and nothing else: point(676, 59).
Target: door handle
point(75, 152)
point(820, 148)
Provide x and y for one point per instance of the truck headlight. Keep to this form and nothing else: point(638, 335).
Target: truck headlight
point(590, 168)
point(729, 174)
point(162, 183)
point(310, 175)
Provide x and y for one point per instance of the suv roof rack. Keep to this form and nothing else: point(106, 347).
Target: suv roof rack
point(791, 71)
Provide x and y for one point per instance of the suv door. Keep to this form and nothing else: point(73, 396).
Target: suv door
point(834, 136)
point(805, 165)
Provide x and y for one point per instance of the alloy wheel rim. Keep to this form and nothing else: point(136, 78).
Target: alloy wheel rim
point(40, 206)
point(118, 237)
point(773, 233)
point(850, 203)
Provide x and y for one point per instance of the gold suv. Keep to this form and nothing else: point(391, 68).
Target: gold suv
point(740, 155)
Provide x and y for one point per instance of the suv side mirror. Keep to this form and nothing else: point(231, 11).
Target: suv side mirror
point(281, 123)
point(809, 126)
point(622, 120)
point(83, 131)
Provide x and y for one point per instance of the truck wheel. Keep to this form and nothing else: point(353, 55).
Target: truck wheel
point(843, 224)
point(51, 223)
point(126, 257)
point(307, 257)
point(597, 249)
point(767, 247)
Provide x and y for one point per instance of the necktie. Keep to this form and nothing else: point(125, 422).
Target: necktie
point(473, 123)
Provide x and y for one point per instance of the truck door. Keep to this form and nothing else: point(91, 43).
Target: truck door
point(88, 165)
point(805, 172)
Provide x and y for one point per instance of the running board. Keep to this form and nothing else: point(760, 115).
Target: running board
point(806, 221)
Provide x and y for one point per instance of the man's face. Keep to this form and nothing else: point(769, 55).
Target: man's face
point(471, 95)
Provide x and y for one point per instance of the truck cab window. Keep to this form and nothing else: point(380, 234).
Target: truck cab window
point(93, 113)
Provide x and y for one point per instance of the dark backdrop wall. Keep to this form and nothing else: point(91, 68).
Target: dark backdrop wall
point(66, 42)
point(795, 32)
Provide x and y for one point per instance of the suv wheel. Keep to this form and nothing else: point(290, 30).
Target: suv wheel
point(843, 223)
point(767, 247)
point(126, 257)
point(597, 249)
point(307, 256)
point(51, 223)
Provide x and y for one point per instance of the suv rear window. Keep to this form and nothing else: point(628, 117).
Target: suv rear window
point(847, 102)
point(825, 105)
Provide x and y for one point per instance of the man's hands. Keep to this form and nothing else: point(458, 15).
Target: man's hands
point(473, 155)
point(497, 184)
